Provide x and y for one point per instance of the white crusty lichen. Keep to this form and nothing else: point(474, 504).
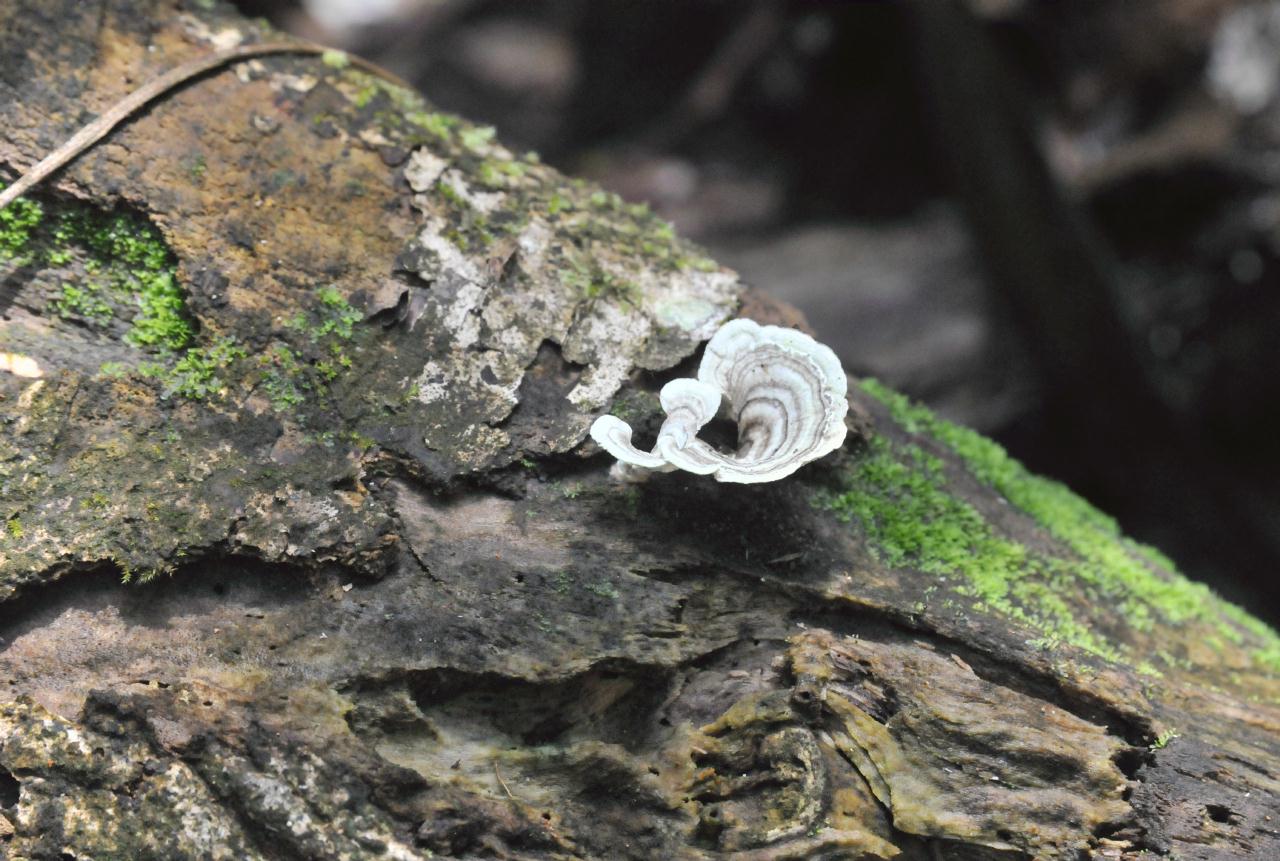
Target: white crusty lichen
point(785, 391)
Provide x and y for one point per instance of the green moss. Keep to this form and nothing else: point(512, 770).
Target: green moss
point(1101, 564)
point(135, 268)
point(114, 370)
point(898, 497)
point(196, 374)
point(328, 326)
point(364, 95)
point(17, 221)
point(85, 302)
point(450, 194)
point(283, 378)
point(558, 203)
point(439, 124)
point(497, 173)
point(489, 175)
point(476, 138)
point(634, 406)
point(96, 500)
point(335, 59)
point(588, 277)
point(337, 317)
point(606, 200)
point(130, 574)
point(602, 589)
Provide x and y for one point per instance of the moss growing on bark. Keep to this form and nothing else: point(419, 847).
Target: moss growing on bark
point(17, 221)
point(898, 494)
point(126, 262)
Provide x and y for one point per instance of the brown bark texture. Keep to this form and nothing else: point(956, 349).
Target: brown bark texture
point(310, 366)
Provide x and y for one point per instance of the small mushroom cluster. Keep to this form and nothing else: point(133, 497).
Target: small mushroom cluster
point(786, 392)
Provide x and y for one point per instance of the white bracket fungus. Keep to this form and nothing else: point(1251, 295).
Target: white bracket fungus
point(785, 391)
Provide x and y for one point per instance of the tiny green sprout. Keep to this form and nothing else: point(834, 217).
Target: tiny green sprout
point(14, 527)
point(335, 59)
point(1163, 739)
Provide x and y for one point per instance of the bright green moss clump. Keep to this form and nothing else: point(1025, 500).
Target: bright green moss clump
point(196, 374)
point(85, 301)
point(17, 221)
point(125, 270)
point(125, 265)
point(898, 494)
point(136, 265)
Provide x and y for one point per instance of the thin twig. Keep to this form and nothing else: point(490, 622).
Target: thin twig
point(498, 774)
point(155, 88)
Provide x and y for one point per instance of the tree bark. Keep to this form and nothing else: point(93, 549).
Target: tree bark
point(316, 363)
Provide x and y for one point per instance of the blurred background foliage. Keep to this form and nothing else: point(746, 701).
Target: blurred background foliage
point(1057, 222)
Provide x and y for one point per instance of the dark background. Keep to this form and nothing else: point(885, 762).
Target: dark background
point(1057, 222)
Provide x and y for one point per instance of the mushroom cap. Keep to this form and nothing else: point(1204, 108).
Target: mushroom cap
point(689, 405)
point(786, 391)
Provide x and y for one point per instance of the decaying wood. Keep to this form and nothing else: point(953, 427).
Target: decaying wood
point(396, 608)
point(155, 88)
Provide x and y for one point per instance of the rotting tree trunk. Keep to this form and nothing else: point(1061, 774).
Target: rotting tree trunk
point(324, 361)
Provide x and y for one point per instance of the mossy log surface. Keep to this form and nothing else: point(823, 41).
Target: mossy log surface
point(310, 366)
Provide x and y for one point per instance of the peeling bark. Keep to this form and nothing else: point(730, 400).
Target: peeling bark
point(323, 381)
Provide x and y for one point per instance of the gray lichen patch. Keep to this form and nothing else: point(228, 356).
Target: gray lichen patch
point(108, 797)
point(535, 260)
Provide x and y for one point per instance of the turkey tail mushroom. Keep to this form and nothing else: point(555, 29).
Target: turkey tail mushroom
point(786, 392)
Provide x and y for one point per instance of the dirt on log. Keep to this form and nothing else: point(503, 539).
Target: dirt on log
point(310, 366)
